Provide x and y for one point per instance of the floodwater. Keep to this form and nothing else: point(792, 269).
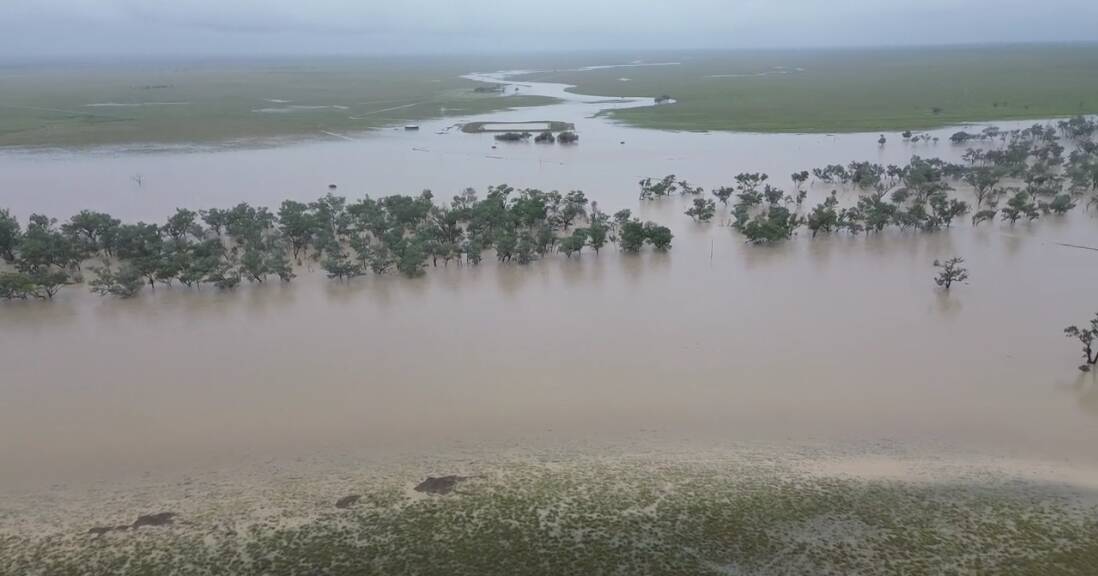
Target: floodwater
point(833, 340)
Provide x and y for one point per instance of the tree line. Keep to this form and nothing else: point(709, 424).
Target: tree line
point(224, 247)
point(1023, 176)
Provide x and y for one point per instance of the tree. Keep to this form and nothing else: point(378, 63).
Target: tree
point(338, 265)
point(986, 215)
point(702, 210)
point(381, 259)
point(651, 189)
point(126, 282)
point(473, 251)
point(622, 216)
point(182, 224)
point(799, 178)
point(279, 265)
point(574, 244)
point(215, 218)
point(1061, 204)
point(983, 181)
point(43, 247)
point(774, 224)
point(225, 277)
point(596, 236)
point(200, 262)
point(575, 206)
point(724, 193)
point(93, 230)
point(951, 271)
point(687, 190)
point(945, 209)
point(824, 217)
point(772, 194)
point(252, 243)
point(659, 236)
point(525, 248)
point(16, 285)
point(750, 181)
point(1020, 204)
point(632, 236)
point(961, 137)
point(254, 263)
point(48, 281)
point(10, 234)
point(412, 259)
point(1086, 336)
point(141, 245)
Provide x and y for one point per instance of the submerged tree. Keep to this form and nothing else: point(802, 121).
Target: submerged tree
point(1019, 205)
point(17, 286)
point(1086, 336)
point(799, 178)
point(724, 193)
point(225, 247)
point(125, 282)
point(702, 210)
point(10, 234)
point(951, 271)
point(651, 189)
point(574, 244)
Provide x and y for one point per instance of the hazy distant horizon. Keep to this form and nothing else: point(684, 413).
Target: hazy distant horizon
point(66, 29)
point(617, 54)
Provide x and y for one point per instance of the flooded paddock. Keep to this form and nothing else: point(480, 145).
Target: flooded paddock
point(839, 340)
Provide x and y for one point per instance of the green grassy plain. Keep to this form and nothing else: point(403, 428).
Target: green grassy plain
point(223, 101)
point(851, 90)
point(589, 518)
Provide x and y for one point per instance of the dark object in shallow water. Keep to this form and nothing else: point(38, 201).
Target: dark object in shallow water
point(348, 501)
point(101, 530)
point(513, 136)
point(441, 485)
point(158, 519)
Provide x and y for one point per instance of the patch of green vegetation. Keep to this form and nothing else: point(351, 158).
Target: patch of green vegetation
point(632, 518)
point(852, 90)
point(481, 127)
point(230, 101)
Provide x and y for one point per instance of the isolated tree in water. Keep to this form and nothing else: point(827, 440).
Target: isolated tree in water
point(951, 271)
point(703, 210)
point(1087, 337)
point(799, 178)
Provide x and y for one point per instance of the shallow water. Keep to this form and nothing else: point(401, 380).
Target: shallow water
point(834, 340)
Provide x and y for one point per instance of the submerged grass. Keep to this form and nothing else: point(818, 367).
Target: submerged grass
point(851, 90)
point(640, 517)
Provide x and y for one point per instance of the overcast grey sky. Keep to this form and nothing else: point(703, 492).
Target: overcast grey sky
point(35, 28)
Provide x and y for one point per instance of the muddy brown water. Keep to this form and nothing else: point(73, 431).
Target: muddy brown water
point(829, 340)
